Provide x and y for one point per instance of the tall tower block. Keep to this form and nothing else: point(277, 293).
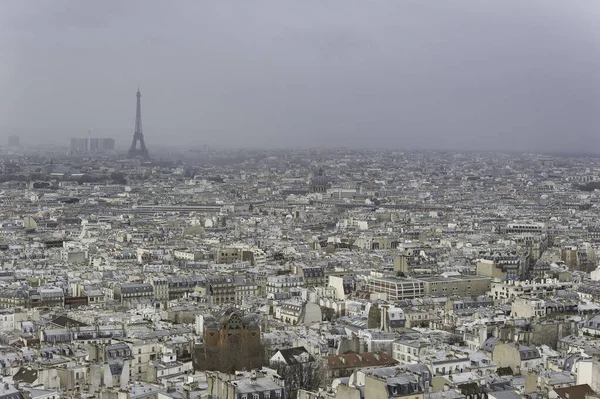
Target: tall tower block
point(138, 135)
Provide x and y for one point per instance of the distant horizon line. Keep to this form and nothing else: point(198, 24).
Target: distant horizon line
point(196, 147)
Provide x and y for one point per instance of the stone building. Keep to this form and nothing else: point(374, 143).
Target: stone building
point(319, 183)
point(231, 342)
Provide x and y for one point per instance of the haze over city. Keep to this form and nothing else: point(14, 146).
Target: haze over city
point(312, 199)
point(476, 75)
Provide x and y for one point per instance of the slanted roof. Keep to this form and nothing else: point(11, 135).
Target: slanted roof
point(528, 352)
point(65, 321)
point(506, 394)
point(26, 375)
point(359, 360)
point(574, 392)
point(116, 367)
point(490, 344)
point(291, 355)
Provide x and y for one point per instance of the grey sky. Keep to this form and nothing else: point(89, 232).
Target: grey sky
point(478, 74)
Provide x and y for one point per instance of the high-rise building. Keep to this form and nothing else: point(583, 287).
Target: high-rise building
point(102, 145)
point(95, 145)
point(79, 145)
point(138, 135)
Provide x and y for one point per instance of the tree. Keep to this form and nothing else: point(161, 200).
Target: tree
point(374, 317)
point(118, 178)
point(328, 313)
point(307, 376)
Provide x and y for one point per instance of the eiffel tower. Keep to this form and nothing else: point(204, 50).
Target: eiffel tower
point(138, 135)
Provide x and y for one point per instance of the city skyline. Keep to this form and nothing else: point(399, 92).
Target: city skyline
point(341, 199)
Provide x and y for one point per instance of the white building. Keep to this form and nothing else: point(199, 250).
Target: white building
point(514, 289)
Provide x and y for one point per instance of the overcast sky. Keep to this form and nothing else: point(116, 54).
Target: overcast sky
point(473, 74)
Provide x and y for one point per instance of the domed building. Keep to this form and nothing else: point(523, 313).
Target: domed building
point(319, 183)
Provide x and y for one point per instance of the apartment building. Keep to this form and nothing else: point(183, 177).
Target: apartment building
point(277, 284)
point(448, 284)
point(221, 290)
point(396, 288)
point(133, 292)
point(513, 289)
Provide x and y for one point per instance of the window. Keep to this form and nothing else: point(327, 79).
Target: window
point(244, 396)
point(139, 351)
point(267, 395)
point(278, 394)
point(255, 396)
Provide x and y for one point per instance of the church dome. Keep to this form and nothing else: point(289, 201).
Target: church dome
point(319, 181)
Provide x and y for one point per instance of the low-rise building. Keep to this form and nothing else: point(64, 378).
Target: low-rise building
point(513, 289)
point(396, 289)
point(129, 292)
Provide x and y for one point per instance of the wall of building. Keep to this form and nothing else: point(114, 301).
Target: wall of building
point(506, 355)
point(488, 268)
point(588, 372)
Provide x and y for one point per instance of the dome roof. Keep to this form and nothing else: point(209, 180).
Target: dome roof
point(319, 181)
point(319, 178)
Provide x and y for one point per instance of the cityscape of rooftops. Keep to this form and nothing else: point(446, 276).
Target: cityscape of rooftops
point(299, 200)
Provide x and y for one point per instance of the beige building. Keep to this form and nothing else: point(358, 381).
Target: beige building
point(244, 290)
point(161, 289)
point(313, 276)
point(142, 352)
point(448, 284)
point(220, 290)
point(526, 307)
point(514, 289)
point(396, 288)
point(419, 318)
point(72, 377)
point(298, 312)
point(402, 385)
point(230, 255)
point(187, 254)
point(234, 254)
point(409, 351)
point(489, 268)
point(129, 292)
point(344, 286)
point(588, 372)
point(277, 284)
point(519, 358)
